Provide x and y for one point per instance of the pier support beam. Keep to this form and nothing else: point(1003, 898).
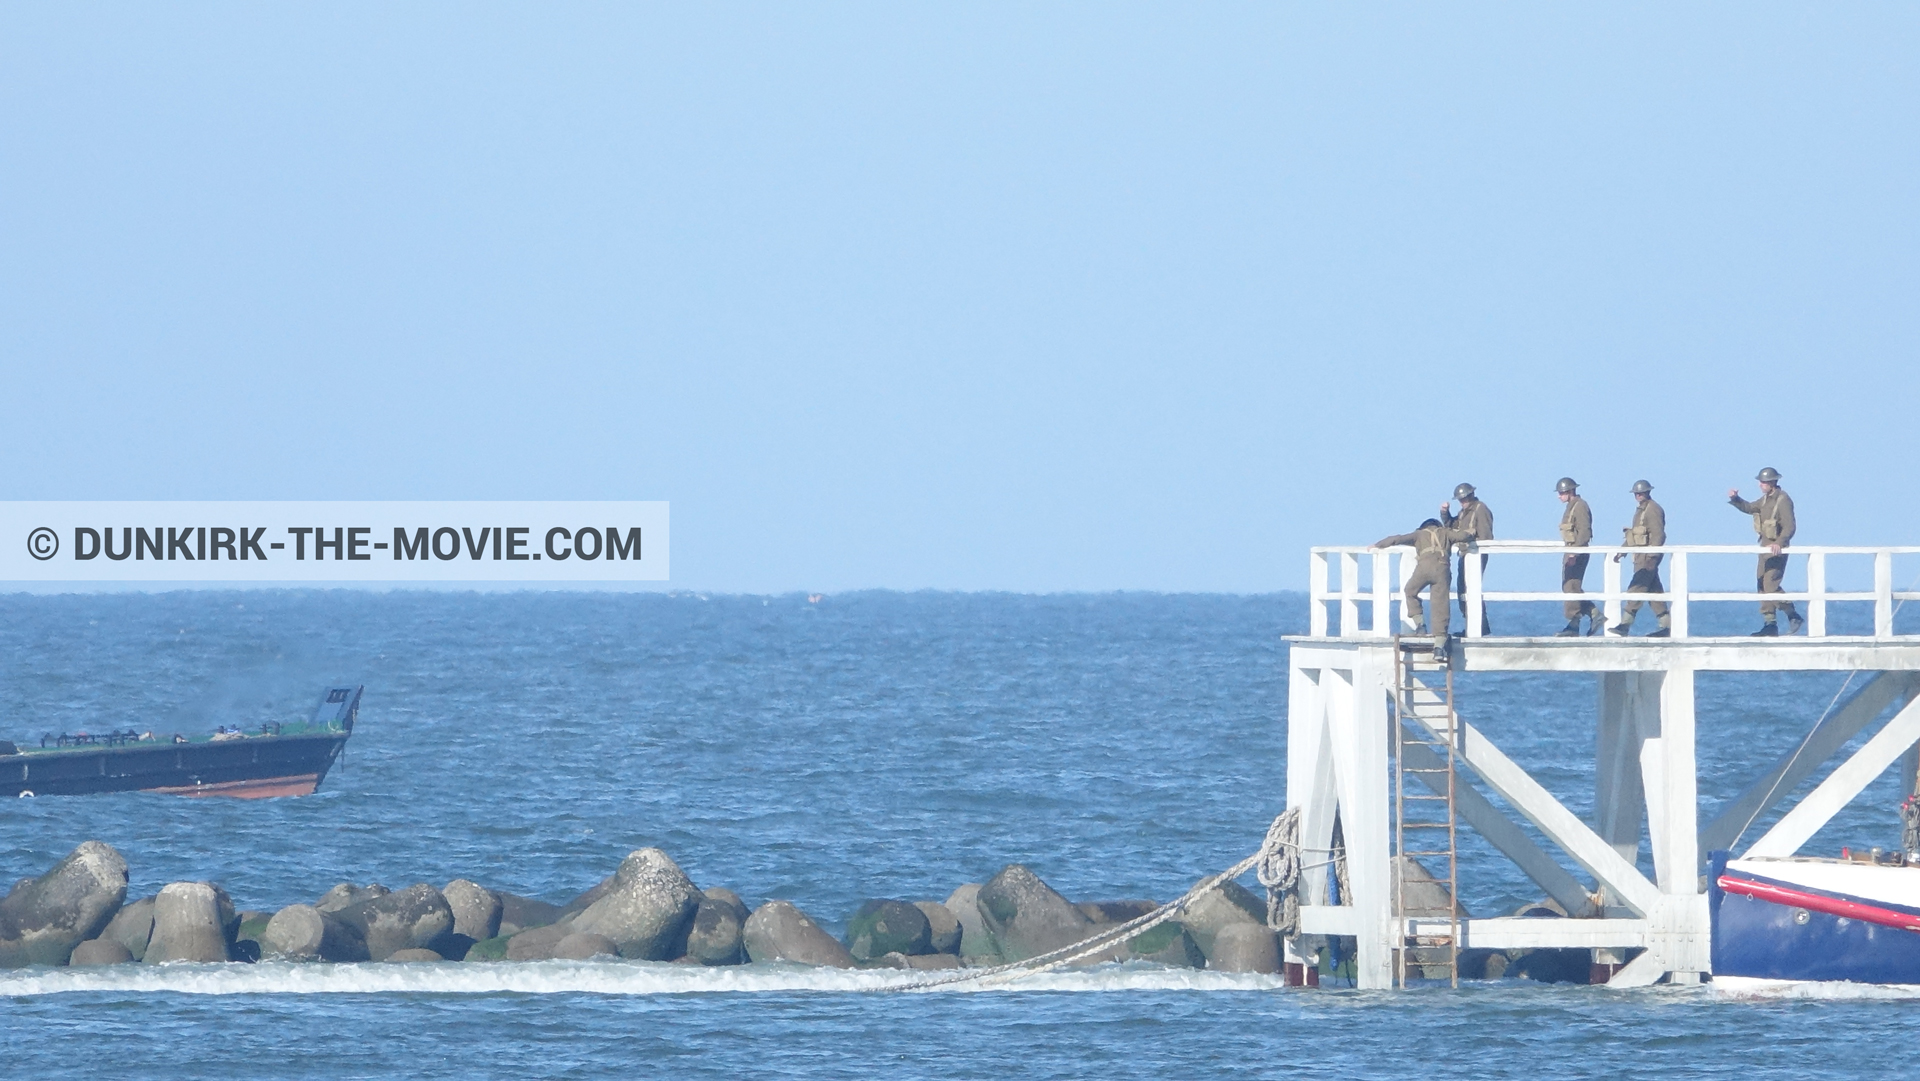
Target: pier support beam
point(1337, 756)
point(1339, 769)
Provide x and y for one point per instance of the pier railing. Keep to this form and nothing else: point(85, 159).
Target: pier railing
point(1340, 591)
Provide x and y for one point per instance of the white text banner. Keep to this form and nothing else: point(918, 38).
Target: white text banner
point(333, 541)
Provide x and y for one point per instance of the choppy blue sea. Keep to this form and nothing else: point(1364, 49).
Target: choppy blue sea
point(867, 745)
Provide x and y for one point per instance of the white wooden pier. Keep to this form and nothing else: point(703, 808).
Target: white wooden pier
point(1341, 744)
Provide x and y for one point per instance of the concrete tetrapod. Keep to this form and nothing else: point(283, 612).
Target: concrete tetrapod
point(1027, 917)
point(883, 927)
point(192, 921)
point(346, 894)
point(976, 940)
point(719, 925)
point(132, 927)
point(580, 946)
point(1245, 947)
point(943, 928)
point(1206, 915)
point(43, 919)
point(777, 931)
point(645, 908)
point(100, 951)
point(304, 933)
point(416, 918)
point(519, 913)
point(476, 909)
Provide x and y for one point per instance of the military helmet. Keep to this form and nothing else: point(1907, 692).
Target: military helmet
point(1565, 485)
point(1770, 475)
point(1463, 491)
point(1641, 487)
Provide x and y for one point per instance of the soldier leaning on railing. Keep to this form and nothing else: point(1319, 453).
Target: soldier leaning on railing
point(1430, 543)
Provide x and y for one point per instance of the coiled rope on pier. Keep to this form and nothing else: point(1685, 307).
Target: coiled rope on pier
point(1279, 864)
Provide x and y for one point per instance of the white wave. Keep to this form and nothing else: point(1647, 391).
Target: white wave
point(1752, 987)
point(591, 977)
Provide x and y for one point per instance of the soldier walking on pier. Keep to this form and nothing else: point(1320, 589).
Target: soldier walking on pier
point(1649, 530)
point(1773, 521)
point(1576, 531)
point(1475, 518)
point(1430, 543)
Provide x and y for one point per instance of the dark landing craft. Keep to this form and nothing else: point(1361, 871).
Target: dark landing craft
point(277, 760)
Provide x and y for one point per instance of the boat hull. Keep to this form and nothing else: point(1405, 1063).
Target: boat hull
point(258, 767)
point(1814, 920)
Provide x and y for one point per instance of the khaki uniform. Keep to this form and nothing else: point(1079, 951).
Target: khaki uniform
point(1576, 530)
point(1773, 522)
point(1430, 544)
point(1649, 530)
point(1474, 518)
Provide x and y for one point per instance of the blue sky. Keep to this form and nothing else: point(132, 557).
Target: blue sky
point(1027, 297)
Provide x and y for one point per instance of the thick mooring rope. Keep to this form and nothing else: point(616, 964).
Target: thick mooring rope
point(1278, 860)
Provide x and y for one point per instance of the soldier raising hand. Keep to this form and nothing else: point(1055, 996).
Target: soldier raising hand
point(1773, 522)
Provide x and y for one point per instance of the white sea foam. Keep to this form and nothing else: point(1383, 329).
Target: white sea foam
point(1750, 987)
point(560, 977)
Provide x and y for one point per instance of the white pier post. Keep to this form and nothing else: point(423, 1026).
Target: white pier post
point(1471, 588)
point(1816, 594)
point(1349, 602)
point(1337, 765)
point(1610, 585)
point(1883, 594)
point(1317, 594)
point(1382, 596)
point(1362, 760)
point(1681, 929)
point(1677, 586)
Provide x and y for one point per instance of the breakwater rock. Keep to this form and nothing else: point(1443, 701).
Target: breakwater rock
point(648, 909)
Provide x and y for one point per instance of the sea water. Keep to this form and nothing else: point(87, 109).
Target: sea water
point(824, 751)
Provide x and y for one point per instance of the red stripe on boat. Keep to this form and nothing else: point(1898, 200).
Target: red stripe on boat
point(1814, 902)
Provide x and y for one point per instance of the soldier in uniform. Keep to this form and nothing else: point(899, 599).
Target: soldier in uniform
point(1475, 518)
point(1773, 521)
point(1430, 543)
point(1649, 530)
point(1576, 530)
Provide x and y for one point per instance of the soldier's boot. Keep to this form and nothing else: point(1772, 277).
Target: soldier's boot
point(1794, 622)
point(1596, 623)
point(1442, 653)
point(1571, 630)
point(1666, 628)
point(1769, 629)
point(1621, 628)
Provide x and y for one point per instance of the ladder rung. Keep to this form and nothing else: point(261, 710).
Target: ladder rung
point(1426, 825)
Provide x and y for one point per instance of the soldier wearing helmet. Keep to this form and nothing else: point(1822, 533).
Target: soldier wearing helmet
point(1430, 543)
point(1576, 530)
point(1649, 530)
point(1475, 518)
point(1773, 521)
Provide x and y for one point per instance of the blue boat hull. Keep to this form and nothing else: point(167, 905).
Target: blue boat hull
point(1767, 939)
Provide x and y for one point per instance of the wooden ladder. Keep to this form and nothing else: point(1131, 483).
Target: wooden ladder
point(1425, 822)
